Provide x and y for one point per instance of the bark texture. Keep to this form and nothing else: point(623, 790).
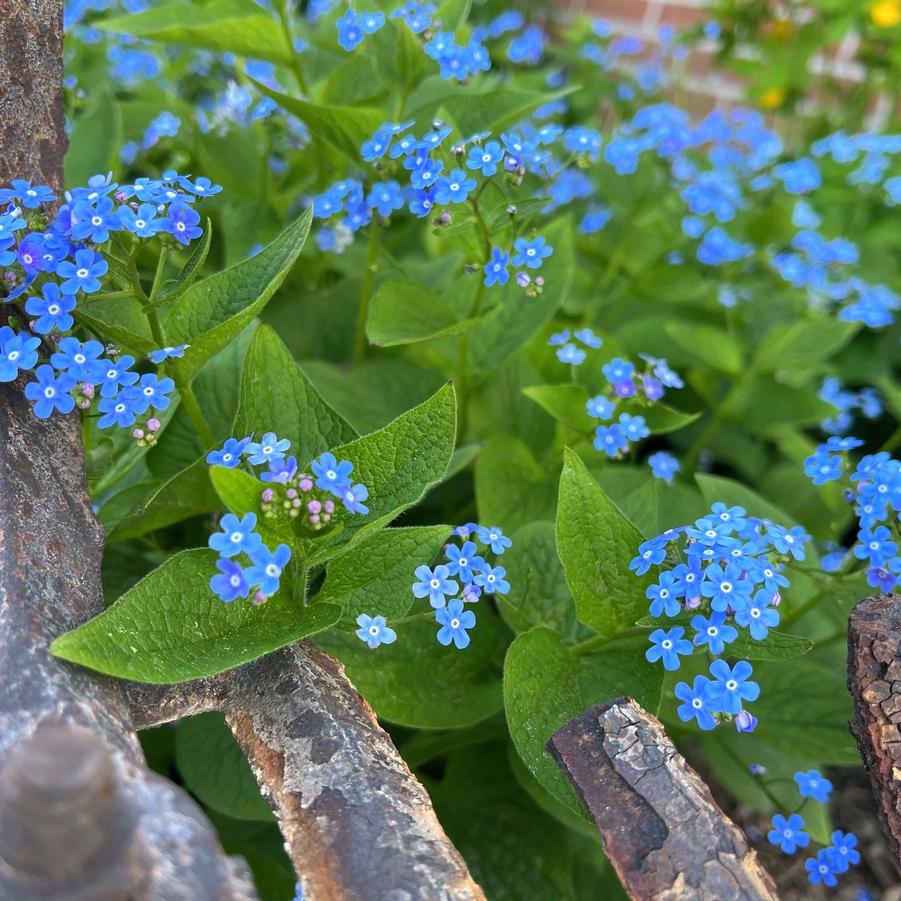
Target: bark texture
point(82, 817)
point(663, 832)
point(356, 822)
point(874, 680)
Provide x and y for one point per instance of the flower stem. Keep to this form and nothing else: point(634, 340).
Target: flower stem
point(359, 347)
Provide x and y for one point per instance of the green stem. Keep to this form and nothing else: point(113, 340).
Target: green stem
point(296, 67)
point(189, 400)
point(359, 347)
point(796, 614)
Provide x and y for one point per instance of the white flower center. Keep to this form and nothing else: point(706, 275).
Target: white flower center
point(455, 623)
point(81, 273)
point(53, 309)
point(273, 571)
point(435, 583)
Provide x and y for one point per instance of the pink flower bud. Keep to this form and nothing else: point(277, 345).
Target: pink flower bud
point(154, 425)
point(314, 506)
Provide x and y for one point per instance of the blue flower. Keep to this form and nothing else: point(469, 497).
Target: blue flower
point(421, 203)
point(462, 561)
point(426, 174)
point(455, 188)
point(267, 568)
point(843, 851)
point(149, 392)
point(730, 687)
point(50, 392)
point(94, 222)
point(789, 833)
point(582, 140)
point(617, 371)
point(17, 352)
point(374, 630)
point(726, 588)
point(385, 197)
point(117, 411)
point(799, 176)
point(331, 475)
point(166, 353)
point(813, 784)
point(181, 222)
point(494, 538)
point(237, 535)
point(667, 646)
point(80, 361)
point(695, 704)
point(600, 407)
point(649, 554)
point(52, 309)
point(531, 254)
point(229, 455)
point(454, 622)
point(353, 497)
point(491, 580)
point(664, 466)
point(821, 869)
point(116, 374)
point(84, 274)
point(610, 440)
point(230, 582)
point(375, 147)
point(269, 448)
point(350, 34)
point(30, 196)
point(789, 541)
point(663, 597)
point(758, 617)
point(713, 632)
point(589, 338)
point(371, 21)
point(571, 354)
point(434, 584)
point(745, 722)
point(416, 16)
point(485, 159)
point(634, 427)
point(496, 268)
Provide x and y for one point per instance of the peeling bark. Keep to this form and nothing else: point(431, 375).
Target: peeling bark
point(663, 832)
point(874, 680)
point(82, 817)
point(357, 824)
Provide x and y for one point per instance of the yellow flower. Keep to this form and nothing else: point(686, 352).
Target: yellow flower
point(772, 98)
point(886, 13)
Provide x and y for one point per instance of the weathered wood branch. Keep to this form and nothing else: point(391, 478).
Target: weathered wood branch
point(663, 832)
point(874, 680)
point(357, 824)
point(81, 816)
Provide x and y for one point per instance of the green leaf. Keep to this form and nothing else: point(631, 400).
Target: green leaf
point(596, 543)
point(776, 646)
point(512, 487)
point(119, 319)
point(660, 418)
point(277, 397)
point(398, 464)
point(94, 142)
point(707, 344)
point(517, 318)
point(214, 310)
point(565, 403)
point(418, 683)
point(803, 343)
point(171, 627)
point(215, 769)
point(546, 684)
point(230, 26)
point(377, 574)
point(174, 288)
point(538, 592)
point(403, 312)
point(188, 493)
point(732, 493)
point(344, 128)
point(762, 400)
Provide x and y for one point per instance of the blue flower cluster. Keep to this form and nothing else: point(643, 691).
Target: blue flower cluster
point(290, 492)
point(866, 400)
point(50, 262)
point(526, 255)
point(464, 577)
point(728, 570)
point(874, 490)
point(789, 835)
point(624, 383)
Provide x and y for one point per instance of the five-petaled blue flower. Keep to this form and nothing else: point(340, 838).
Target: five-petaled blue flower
point(485, 159)
point(713, 632)
point(230, 582)
point(17, 352)
point(461, 561)
point(181, 222)
point(331, 475)
point(493, 538)
point(374, 630)
point(270, 448)
point(50, 392)
point(350, 34)
point(695, 703)
point(663, 597)
point(84, 274)
point(789, 833)
point(496, 268)
point(813, 784)
point(821, 870)
point(117, 411)
point(531, 254)
point(843, 851)
point(454, 188)
point(229, 455)
point(352, 498)
point(667, 646)
point(491, 579)
point(237, 535)
point(434, 584)
point(150, 391)
point(166, 353)
point(52, 309)
point(729, 687)
point(454, 622)
point(80, 361)
point(267, 567)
